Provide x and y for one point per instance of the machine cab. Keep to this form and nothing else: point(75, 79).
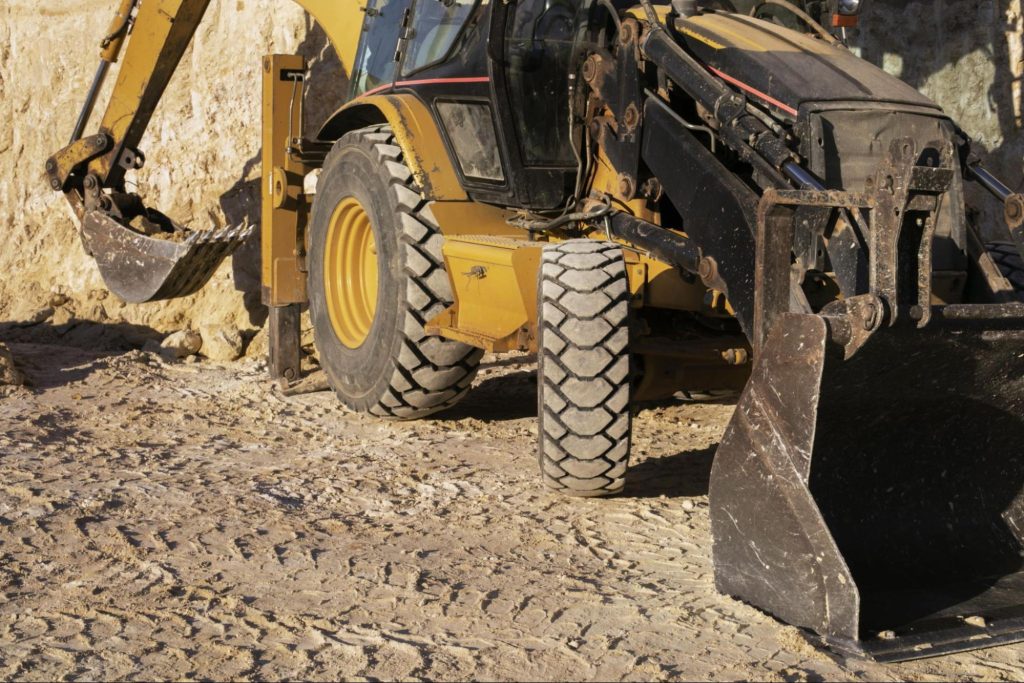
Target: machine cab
point(496, 78)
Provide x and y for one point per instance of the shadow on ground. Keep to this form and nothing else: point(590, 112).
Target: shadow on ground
point(511, 396)
point(683, 475)
point(80, 334)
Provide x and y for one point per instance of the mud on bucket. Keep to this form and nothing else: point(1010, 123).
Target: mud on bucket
point(879, 501)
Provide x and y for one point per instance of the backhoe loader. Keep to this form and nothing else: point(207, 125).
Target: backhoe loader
point(654, 198)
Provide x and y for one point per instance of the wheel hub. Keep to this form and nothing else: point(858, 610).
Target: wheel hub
point(351, 273)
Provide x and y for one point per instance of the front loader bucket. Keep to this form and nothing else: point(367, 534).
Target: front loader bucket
point(879, 501)
point(139, 269)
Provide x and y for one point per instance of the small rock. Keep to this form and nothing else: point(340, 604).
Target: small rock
point(259, 347)
point(221, 343)
point(181, 344)
point(58, 299)
point(9, 374)
point(62, 316)
point(687, 505)
point(976, 621)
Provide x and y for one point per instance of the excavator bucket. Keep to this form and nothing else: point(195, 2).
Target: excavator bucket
point(139, 268)
point(879, 500)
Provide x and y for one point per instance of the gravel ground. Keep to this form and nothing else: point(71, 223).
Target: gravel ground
point(184, 521)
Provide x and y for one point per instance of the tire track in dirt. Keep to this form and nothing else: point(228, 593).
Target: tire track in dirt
point(183, 521)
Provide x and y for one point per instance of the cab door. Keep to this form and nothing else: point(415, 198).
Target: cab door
point(375, 65)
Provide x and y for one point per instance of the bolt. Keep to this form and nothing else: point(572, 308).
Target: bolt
point(590, 68)
point(50, 165)
point(631, 117)
point(289, 374)
point(626, 188)
point(735, 356)
point(870, 317)
point(1015, 210)
point(90, 182)
point(55, 183)
point(916, 313)
point(652, 189)
point(708, 270)
point(100, 140)
point(626, 34)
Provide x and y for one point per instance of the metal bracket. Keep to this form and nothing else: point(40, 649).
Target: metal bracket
point(64, 163)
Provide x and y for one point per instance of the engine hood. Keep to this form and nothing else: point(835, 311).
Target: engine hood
point(786, 70)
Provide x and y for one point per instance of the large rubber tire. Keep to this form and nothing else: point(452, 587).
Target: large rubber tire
point(583, 368)
point(397, 371)
point(1007, 257)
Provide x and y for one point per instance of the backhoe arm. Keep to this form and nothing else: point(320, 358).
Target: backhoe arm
point(142, 254)
point(162, 32)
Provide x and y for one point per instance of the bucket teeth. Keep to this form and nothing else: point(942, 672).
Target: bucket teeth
point(141, 269)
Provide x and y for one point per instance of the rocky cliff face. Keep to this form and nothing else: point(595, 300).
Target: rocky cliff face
point(968, 55)
point(203, 146)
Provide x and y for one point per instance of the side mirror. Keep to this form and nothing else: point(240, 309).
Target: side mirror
point(846, 13)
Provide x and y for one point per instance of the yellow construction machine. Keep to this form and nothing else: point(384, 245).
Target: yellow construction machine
point(654, 197)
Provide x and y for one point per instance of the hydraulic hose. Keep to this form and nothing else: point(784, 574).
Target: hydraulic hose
point(744, 133)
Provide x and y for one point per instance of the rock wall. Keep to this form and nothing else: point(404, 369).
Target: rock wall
point(203, 146)
point(968, 55)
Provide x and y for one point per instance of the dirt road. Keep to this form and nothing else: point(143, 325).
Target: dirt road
point(175, 521)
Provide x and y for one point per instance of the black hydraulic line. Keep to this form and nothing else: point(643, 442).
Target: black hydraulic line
point(578, 217)
point(990, 182)
point(663, 244)
point(742, 132)
point(799, 175)
point(90, 100)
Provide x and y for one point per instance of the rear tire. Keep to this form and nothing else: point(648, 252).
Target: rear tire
point(1007, 257)
point(376, 276)
point(583, 367)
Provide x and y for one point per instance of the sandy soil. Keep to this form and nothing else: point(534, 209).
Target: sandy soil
point(177, 521)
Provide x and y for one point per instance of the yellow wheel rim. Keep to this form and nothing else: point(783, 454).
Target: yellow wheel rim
point(350, 273)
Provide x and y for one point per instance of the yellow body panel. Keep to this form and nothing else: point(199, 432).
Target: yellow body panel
point(284, 207)
point(494, 280)
point(473, 218)
point(342, 21)
point(719, 32)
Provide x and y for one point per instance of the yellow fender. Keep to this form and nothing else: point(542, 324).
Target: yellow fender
point(417, 135)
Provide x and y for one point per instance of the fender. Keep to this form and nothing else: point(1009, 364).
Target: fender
point(417, 135)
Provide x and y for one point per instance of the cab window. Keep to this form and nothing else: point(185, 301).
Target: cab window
point(436, 27)
point(375, 60)
point(539, 52)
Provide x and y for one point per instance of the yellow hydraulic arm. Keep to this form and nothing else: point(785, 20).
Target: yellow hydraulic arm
point(142, 254)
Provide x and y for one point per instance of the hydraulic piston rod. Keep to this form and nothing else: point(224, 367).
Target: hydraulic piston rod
point(110, 50)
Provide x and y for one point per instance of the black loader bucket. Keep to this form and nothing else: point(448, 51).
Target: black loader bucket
point(139, 268)
point(879, 500)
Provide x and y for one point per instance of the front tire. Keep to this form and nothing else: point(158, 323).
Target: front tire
point(583, 367)
point(376, 276)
